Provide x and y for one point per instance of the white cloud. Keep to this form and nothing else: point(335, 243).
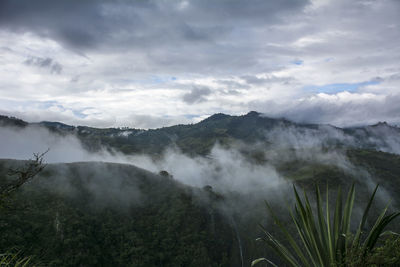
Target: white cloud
point(341, 109)
point(143, 56)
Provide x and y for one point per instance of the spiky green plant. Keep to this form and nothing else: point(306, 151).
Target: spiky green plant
point(325, 241)
point(13, 259)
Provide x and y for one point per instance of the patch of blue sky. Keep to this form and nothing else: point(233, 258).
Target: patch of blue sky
point(160, 79)
point(42, 105)
point(156, 80)
point(47, 104)
point(79, 113)
point(7, 104)
point(11, 104)
point(153, 79)
point(191, 116)
point(298, 62)
point(338, 87)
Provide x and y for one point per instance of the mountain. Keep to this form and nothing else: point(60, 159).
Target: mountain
point(224, 129)
point(109, 214)
point(12, 121)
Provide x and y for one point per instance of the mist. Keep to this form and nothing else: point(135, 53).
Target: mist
point(327, 145)
point(21, 143)
point(225, 169)
point(232, 171)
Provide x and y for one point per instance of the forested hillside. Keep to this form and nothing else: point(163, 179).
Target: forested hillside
point(199, 138)
point(114, 215)
point(200, 205)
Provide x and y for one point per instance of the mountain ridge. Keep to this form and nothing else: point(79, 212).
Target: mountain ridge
point(4, 119)
point(199, 138)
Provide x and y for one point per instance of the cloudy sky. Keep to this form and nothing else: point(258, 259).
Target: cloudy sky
point(148, 64)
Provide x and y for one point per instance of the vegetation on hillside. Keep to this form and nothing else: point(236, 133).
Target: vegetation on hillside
point(112, 214)
point(199, 138)
point(137, 219)
point(22, 176)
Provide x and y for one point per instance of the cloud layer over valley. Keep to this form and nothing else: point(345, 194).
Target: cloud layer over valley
point(242, 168)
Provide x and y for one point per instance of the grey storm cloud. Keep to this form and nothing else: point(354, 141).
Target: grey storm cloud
point(200, 36)
point(74, 23)
point(47, 63)
point(196, 95)
point(149, 27)
point(88, 23)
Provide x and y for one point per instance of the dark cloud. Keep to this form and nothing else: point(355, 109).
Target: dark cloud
point(74, 23)
point(88, 23)
point(196, 95)
point(151, 27)
point(47, 63)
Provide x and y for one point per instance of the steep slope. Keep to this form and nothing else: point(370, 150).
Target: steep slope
point(102, 214)
point(113, 214)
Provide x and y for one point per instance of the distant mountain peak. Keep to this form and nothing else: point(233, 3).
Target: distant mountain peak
point(216, 117)
point(384, 123)
point(12, 121)
point(221, 116)
point(253, 114)
point(381, 125)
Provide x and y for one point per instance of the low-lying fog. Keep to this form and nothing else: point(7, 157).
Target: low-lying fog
point(224, 169)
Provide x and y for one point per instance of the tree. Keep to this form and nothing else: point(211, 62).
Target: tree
point(24, 174)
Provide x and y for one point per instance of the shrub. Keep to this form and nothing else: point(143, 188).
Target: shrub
point(326, 241)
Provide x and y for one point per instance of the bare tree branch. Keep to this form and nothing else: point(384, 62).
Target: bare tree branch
point(24, 174)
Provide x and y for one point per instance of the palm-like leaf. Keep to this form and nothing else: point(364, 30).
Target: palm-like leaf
point(325, 242)
point(13, 259)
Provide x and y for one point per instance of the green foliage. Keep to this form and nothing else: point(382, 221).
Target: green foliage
point(199, 138)
point(14, 259)
point(192, 139)
point(326, 240)
point(24, 174)
point(386, 255)
point(166, 226)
